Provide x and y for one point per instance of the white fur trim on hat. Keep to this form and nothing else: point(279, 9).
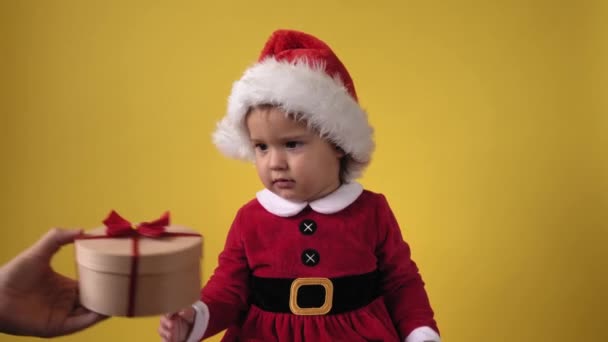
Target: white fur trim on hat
point(305, 90)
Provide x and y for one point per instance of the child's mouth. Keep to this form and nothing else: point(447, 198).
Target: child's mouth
point(283, 183)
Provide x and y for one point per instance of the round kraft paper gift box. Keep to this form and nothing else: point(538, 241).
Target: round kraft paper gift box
point(137, 275)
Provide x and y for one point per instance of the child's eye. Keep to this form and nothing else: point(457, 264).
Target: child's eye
point(293, 144)
point(261, 147)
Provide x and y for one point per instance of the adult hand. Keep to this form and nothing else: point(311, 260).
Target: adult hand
point(37, 301)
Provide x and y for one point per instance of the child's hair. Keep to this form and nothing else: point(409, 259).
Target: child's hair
point(344, 160)
point(300, 74)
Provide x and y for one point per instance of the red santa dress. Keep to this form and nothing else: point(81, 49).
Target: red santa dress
point(349, 232)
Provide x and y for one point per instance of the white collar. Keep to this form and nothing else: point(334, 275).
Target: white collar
point(344, 196)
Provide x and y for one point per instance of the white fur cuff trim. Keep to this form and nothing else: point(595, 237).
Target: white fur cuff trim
point(201, 321)
point(423, 334)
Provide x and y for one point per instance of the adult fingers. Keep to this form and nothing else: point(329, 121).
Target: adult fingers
point(81, 322)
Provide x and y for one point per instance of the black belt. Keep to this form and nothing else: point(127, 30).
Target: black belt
point(315, 296)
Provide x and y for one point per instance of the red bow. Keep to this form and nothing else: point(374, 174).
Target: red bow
point(116, 225)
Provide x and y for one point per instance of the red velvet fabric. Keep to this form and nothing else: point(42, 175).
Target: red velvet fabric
point(291, 46)
point(360, 238)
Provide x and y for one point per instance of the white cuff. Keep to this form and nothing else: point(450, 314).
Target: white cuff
point(423, 334)
point(201, 321)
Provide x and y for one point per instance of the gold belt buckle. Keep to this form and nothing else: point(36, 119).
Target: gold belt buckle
point(293, 296)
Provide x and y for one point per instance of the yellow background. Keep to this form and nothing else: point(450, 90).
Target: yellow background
point(490, 121)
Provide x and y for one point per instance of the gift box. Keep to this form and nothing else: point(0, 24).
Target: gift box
point(131, 270)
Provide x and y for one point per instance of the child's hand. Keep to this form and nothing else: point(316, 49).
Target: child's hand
point(177, 326)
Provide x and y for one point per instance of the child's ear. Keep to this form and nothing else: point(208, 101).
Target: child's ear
point(339, 151)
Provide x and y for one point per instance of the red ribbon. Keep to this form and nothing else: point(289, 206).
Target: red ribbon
point(117, 226)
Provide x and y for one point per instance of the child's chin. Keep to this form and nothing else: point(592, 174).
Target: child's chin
point(289, 195)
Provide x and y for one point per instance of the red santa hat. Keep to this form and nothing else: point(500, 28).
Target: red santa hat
point(301, 75)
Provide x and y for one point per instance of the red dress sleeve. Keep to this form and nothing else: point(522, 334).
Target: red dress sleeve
point(402, 285)
point(226, 293)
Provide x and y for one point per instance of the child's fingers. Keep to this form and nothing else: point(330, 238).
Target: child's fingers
point(167, 323)
point(187, 315)
point(174, 327)
point(168, 328)
point(181, 330)
point(164, 335)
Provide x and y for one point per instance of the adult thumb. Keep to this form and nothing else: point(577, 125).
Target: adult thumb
point(53, 240)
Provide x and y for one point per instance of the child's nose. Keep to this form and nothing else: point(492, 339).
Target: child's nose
point(277, 160)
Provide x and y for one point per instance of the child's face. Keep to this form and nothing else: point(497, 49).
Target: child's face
point(292, 160)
